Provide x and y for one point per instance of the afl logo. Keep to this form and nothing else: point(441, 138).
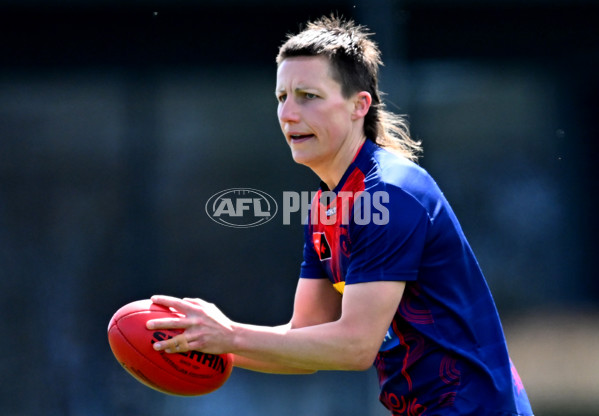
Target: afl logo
point(241, 207)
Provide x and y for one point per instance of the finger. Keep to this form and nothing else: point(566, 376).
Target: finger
point(174, 345)
point(168, 323)
point(196, 301)
point(184, 306)
point(178, 344)
point(169, 301)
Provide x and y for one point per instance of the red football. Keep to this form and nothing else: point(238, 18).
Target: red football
point(185, 374)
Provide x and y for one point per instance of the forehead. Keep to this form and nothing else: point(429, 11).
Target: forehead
point(305, 70)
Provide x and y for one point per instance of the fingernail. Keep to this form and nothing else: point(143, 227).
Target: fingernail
point(157, 346)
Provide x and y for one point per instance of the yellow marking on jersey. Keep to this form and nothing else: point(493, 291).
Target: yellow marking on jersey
point(340, 286)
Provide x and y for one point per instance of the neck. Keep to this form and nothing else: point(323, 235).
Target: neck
point(332, 171)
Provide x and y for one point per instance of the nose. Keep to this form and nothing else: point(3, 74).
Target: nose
point(288, 111)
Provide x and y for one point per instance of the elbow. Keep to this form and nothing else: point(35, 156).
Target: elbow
point(359, 358)
point(304, 371)
point(358, 352)
point(364, 363)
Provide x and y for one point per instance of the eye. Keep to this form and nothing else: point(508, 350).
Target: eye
point(281, 98)
point(310, 96)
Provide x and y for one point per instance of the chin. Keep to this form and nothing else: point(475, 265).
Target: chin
point(308, 153)
point(302, 158)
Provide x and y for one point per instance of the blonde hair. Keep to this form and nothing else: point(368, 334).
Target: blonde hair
point(355, 60)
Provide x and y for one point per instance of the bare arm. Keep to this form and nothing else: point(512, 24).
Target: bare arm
point(268, 366)
point(316, 302)
point(348, 343)
point(324, 339)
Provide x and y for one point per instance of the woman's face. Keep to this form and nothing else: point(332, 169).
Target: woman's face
point(314, 116)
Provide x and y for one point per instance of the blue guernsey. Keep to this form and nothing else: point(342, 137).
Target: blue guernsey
point(445, 351)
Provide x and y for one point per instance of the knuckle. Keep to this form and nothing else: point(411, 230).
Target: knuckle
point(195, 320)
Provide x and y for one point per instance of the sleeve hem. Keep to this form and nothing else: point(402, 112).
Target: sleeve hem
point(403, 277)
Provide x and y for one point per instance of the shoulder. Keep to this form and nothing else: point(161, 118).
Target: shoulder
point(394, 195)
point(401, 178)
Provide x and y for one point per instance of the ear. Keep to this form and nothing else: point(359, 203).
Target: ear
point(362, 103)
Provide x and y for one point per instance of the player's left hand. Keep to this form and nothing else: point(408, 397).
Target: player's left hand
point(205, 327)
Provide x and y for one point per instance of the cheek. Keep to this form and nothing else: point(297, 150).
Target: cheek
point(279, 117)
point(336, 124)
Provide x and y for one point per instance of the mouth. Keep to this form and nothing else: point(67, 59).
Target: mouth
point(298, 138)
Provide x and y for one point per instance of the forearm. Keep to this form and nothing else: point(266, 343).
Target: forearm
point(266, 366)
point(330, 346)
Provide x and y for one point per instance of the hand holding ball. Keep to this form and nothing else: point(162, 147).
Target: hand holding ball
point(190, 373)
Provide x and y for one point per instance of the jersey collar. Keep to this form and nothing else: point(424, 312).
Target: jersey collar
point(365, 150)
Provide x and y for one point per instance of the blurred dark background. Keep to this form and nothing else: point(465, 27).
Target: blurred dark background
point(119, 119)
